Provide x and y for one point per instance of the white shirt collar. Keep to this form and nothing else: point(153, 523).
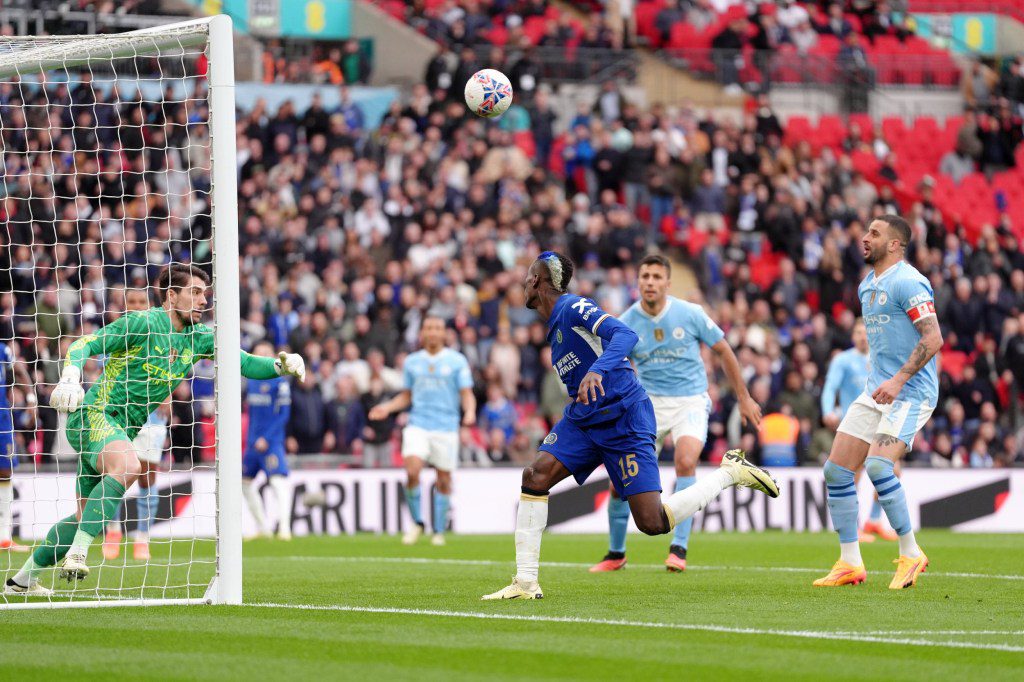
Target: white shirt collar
point(888, 271)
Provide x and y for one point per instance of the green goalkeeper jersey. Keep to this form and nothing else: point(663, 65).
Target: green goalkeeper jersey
point(146, 360)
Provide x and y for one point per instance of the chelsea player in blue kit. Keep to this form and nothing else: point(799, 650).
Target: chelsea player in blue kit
point(8, 458)
point(668, 362)
point(270, 406)
point(900, 395)
point(438, 384)
point(844, 382)
point(609, 421)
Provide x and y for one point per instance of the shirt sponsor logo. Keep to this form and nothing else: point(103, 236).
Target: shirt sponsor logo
point(877, 319)
point(567, 363)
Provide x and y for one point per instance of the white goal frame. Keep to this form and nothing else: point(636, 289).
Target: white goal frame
point(216, 33)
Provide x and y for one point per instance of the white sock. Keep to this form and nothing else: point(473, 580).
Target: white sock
point(140, 537)
point(283, 488)
point(530, 523)
point(6, 520)
point(850, 553)
point(687, 502)
point(255, 504)
point(29, 572)
point(908, 546)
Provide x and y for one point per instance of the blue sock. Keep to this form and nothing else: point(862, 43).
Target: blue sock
point(842, 500)
point(682, 535)
point(441, 504)
point(145, 506)
point(412, 501)
point(618, 521)
point(890, 493)
point(876, 510)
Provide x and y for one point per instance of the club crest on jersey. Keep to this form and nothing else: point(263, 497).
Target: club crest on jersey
point(550, 438)
point(882, 298)
point(678, 333)
point(659, 334)
point(558, 335)
point(446, 371)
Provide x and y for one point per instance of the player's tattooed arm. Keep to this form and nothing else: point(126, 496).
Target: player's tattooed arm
point(926, 348)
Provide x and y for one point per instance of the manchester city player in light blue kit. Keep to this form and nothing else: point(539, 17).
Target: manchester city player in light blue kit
point(668, 362)
point(898, 399)
point(847, 374)
point(438, 384)
point(609, 421)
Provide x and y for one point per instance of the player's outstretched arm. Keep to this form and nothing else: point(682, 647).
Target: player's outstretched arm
point(286, 364)
point(68, 395)
point(926, 348)
point(400, 402)
point(750, 411)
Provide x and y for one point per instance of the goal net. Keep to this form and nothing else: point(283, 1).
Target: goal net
point(117, 160)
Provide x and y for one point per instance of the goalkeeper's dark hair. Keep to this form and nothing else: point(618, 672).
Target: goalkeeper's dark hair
point(899, 226)
point(559, 268)
point(178, 276)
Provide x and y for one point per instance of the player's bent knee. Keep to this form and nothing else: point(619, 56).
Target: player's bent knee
point(877, 467)
point(533, 479)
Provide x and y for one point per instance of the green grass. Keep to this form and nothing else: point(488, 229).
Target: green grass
point(749, 618)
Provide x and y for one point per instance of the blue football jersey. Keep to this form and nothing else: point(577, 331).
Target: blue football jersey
point(667, 357)
point(436, 382)
point(270, 405)
point(891, 304)
point(6, 376)
point(584, 339)
point(847, 375)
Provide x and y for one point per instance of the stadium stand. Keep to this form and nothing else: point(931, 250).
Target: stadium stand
point(351, 233)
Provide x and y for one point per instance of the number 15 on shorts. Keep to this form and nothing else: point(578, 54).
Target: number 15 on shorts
point(628, 467)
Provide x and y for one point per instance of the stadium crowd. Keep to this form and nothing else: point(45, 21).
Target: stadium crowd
point(350, 235)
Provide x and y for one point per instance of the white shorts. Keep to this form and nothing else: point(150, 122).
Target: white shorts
point(903, 419)
point(682, 416)
point(149, 443)
point(439, 449)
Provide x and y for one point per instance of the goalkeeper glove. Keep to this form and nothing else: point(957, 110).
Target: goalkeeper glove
point(67, 396)
point(291, 364)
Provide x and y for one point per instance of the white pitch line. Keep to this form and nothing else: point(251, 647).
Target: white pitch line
point(567, 564)
point(804, 634)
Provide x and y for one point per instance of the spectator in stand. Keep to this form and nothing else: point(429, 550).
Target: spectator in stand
point(728, 45)
point(498, 420)
point(673, 12)
point(835, 23)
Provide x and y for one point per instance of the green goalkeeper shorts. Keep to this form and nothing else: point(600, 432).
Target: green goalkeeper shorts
point(89, 431)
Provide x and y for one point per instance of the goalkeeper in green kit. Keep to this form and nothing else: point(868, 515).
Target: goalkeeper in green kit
point(148, 354)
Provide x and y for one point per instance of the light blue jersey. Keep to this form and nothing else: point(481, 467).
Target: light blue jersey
point(435, 382)
point(156, 419)
point(667, 357)
point(847, 376)
point(892, 303)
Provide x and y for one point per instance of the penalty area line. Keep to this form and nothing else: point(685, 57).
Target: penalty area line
point(693, 627)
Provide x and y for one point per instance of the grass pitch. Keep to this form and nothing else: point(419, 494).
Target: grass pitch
point(351, 607)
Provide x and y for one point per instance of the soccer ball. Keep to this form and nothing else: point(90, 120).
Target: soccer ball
point(488, 93)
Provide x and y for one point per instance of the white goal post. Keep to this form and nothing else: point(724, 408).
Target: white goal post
point(196, 186)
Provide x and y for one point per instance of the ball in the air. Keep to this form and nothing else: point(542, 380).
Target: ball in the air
point(488, 93)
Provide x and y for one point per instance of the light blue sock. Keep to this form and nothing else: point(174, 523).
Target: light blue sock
point(890, 493)
point(618, 521)
point(412, 501)
point(842, 500)
point(682, 535)
point(876, 511)
point(146, 505)
point(441, 504)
